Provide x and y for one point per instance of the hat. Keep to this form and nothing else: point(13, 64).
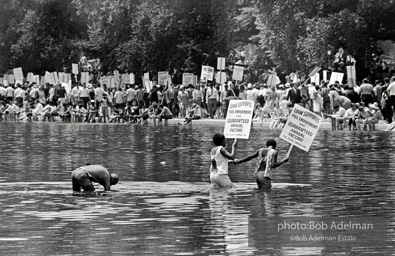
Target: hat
point(374, 106)
point(249, 86)
point(287, 85)
point(281, 86)
point(35, 85)
point(92, 101)
point(89, 86)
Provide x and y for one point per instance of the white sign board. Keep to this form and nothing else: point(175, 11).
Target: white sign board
point(336, 76)
point(316, 78)
point(48, 78)
point(132, 78)
point(188, 78)
point(301, 127)
point(207, 73)
point(238, 73)
point(325, 75)
point(84, 77)
point(74, 68)
point(221, 63)
point(220, 77)
point(351, 76)
point(238, 119)
point(163, 77)
point(18, 74)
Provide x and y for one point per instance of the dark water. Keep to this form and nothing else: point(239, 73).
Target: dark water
point(164, 204)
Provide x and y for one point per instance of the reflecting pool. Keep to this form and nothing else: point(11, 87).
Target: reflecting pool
point(164, 204)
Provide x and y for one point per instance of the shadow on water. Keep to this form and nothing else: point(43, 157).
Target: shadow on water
point(164, 204)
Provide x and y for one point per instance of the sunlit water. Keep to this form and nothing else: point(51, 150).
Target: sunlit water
point(164, 205)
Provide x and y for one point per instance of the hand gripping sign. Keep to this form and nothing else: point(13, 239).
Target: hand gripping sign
point(301, 128)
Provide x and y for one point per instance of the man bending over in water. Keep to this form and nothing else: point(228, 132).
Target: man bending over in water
point(267, 161)
point(82, 177)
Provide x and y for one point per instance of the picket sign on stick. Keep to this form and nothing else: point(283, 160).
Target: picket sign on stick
point(239, 119)
point(301, 128)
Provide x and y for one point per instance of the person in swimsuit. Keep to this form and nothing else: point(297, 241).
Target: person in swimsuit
point(267, 161)
point(219, 162)
point(82, 177)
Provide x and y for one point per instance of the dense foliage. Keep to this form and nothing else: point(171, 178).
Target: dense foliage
point(179, 35)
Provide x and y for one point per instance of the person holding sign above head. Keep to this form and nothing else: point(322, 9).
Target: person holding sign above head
point(267, 162)
point(219, 162)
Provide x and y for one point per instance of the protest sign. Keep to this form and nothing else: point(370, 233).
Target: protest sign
point(36, 79)
point(55, 77)
point(48, 78)
point(316, 78)
point(207, 73)
point(163, 77)
point(67, 78)
point(188, 78)
point(301, 127)
point(11, 79)
point(315, 71)
point(111, 82)
point(221, 63)
point(146, 76)
point(336, 76)
point(74, 68)
point(103, 81)
point(237, 73)
point(18, 74)
point(272, 79)
point(132, 78)
point(239, 119)
point(1, 81)
point(220, 77)
point(42, 80)
point(351, 76)
point(61, 77)
point(125, 79)
point(29, 77)
point(84, 77)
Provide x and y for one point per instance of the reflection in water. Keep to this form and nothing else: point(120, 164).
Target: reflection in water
point(170, 209)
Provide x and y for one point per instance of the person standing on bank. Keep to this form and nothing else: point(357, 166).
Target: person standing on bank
point(83, 176)
point(219, 162)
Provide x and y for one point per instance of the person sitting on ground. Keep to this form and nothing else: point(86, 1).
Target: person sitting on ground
point(165, 113)
point(66, 116)
point(194, 113)
point(267, 162)
point(374, 119)
point(338, 117)
point(83, 176)
point(363, 114)
point(351, 115)
point(219, 162)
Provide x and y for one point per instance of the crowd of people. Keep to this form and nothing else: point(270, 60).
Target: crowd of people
point(358, 107)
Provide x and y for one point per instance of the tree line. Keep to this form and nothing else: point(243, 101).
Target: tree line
point(180, 36)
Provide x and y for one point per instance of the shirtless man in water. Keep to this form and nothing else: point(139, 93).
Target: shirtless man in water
point(82, 177)
point(267, 162)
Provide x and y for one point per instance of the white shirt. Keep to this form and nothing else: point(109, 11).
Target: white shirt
point(391, 89)
point(222, 162)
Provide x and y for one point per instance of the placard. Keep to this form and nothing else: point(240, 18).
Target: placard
point(221, 63)
point(220, 77)
point(316, 78)
point(74, 68)
point(55, 77)
point(29, 77)
point(188, 78)
point(315, 71)
point(61, 77)
point(336, 76)
point(48, 78)
point(11, 79)
point(239, 119)
point(325, 75)
point(18, 74)
point(351, 76)
point(84, 77)
point(103, 81)
point(301, 127)
point(207, 73)
point(111, 82)
point(237, 73)
point(163, 77)
point(67, 87)
point(146, 76)
point(273, 79)
point(132, 78)
point(125, 79)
